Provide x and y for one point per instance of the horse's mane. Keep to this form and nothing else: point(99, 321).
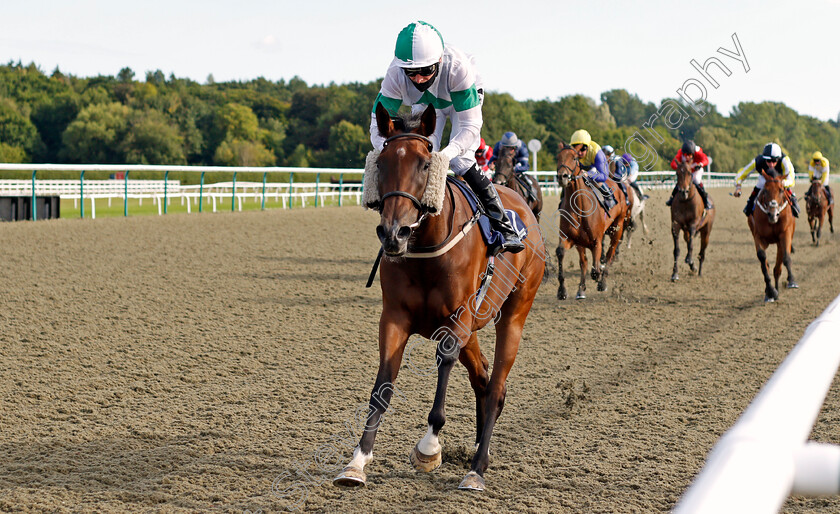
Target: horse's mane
point(407, 121)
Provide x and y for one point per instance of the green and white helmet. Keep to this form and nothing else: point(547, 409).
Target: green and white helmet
point(418, 45)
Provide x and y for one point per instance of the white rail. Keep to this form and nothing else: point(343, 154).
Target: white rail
point(765, 456)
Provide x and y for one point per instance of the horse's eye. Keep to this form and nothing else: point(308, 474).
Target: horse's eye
point(427, 165)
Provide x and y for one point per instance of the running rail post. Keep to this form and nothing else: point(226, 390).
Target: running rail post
point(765, 456)
point(233, 193)
point(165, 182)
point(317, 180)
point(291, 181)
point(340, 187)
point(34, 202)
point(201, 193)
point(262, 206)
point(125, 198)
point(82, 194)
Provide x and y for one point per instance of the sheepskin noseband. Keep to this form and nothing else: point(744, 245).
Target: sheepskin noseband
point(435, 185)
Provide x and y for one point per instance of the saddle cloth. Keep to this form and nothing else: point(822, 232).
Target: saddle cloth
point(492, 238)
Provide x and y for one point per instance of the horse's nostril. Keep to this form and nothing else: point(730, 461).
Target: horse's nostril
point(403, 233)
point(380, 232)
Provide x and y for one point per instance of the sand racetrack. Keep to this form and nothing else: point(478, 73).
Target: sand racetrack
point(212, 362)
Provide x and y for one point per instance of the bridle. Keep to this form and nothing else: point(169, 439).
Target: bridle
point(422, 210)
point(571, 174)
point(772, 209)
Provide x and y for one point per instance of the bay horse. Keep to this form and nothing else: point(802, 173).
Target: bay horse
point(505, 176)
point(430, 275)
point(583, 222)
point(771, 222)
point(689, 217)
point(817, 207)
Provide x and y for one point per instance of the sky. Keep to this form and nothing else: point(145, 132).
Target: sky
point(530, 49)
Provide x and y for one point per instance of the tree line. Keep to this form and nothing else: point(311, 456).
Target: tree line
point(61, 118)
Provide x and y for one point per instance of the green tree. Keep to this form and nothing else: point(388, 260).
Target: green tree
point(152, 139)
point(236, 152)
point(349, 144)
point(96, 134)
point(16, 130)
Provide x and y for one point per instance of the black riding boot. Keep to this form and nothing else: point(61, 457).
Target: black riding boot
point(623, 188)
point(492, 205)
point(673, 194)
point(794, 207)
point(751, 201)
point(609, 199)
point(829, 195)
point(702, 190)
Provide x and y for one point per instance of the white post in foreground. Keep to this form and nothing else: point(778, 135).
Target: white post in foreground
point(765, 456)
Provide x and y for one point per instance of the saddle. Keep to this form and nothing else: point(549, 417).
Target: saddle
point(527, 185)
point(492, 238)
point(597, 191)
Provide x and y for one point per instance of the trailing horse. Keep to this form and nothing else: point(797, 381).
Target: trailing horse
point(525, 185)
point(584, 222)
point(817, 207)
point(771, 222)
point(689, 217)
point(430, 276)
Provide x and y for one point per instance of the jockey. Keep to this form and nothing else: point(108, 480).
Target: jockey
point(772, 161)
point(592, 159)
point(520, 160)
point(698, 159)
point(818, 169)
point(482, 157)
point(632, 169)
point(620, 171)
point(425, 71)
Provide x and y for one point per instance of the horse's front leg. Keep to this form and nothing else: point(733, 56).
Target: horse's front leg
point(581, 294)
point(819, 229)
point(561, 288)
point(478, 370)
point(675, 233)
point(784, 255)
point(393, 335)
point(689, 247)
point(508, 336)
point(770, 294)
point(426, 455)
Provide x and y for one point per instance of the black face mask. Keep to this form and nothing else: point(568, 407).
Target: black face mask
point(426, 85)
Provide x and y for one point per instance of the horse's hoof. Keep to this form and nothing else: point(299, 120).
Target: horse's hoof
point(594, 274)
point(351, 476)
point(423, 462)
point(674, 277)
point(580, 296)
point(792, 285)
point(769, 299)
point(602, 286)
point(472, 482)
point(561, 294)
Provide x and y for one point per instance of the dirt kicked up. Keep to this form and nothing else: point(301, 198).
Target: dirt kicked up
point(215, 362)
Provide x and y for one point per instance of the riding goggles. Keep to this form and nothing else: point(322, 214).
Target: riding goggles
point(425, 71)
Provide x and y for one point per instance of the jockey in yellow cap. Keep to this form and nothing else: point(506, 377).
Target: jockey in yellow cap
point(773, 162)
point(592, 160)
point(818, 169)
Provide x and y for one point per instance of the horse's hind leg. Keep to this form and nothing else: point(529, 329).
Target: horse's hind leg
point(477, 368)
point(392, 340)
point(426, 456)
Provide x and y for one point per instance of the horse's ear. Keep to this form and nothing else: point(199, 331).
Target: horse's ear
point(383, 121)
point(428, 121)
point(765, 175)
point(562, 145)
